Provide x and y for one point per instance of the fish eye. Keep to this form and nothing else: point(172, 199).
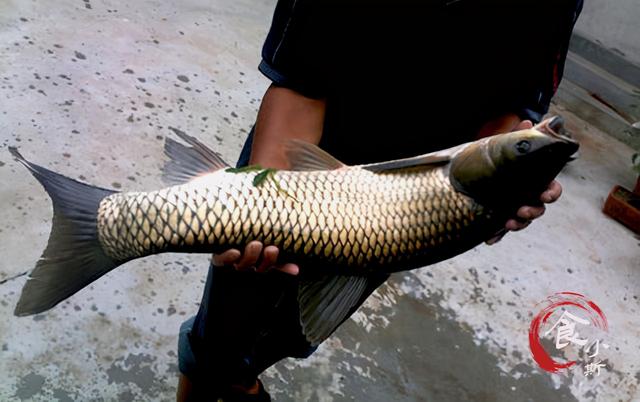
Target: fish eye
point(523, 146)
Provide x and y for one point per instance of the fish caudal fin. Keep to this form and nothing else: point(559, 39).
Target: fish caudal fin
point(73, 257)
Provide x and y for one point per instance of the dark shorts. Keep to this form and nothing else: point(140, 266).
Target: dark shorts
point(186, 357)
point(246, 323)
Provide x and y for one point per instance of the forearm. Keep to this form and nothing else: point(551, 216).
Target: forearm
point(285, 114)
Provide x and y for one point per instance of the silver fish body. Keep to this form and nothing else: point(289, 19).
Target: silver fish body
point(349, 218)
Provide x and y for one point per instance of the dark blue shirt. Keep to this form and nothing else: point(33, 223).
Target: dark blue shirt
point(407, 77)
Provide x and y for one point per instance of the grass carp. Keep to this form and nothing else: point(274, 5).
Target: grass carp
point(341, 224)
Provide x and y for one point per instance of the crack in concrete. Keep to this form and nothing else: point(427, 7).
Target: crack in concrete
point(2, 282)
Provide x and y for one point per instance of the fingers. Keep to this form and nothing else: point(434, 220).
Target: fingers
point(497, 237)
point(524, 216)
point(249, 258)
point(229, 257)
point(552, 193)
point(290, 268)
point(269, 258)
point(528, 213)
point(515, 225)
point(255, 257)
point(524, 125)
point(269, 262)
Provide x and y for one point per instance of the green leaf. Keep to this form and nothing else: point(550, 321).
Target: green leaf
point(262, 176)
point(270, 174)
point(244, 169)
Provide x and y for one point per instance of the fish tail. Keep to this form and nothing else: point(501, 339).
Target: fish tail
point(74, 256)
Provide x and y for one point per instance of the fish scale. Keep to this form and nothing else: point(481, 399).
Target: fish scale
point(349, 217)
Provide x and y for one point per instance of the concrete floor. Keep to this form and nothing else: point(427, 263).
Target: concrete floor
point(88, 88)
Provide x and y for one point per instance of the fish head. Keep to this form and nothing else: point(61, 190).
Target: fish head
point(513, 168)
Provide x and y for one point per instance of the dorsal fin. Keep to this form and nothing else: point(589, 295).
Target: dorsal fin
point(433, 158)
point(304, 156)
point(187, 162)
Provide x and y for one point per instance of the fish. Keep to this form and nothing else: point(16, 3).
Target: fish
point(343, 225)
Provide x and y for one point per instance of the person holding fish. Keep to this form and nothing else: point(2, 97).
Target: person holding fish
point(367, 82)
point(328, 197)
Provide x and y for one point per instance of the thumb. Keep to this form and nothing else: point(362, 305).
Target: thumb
point(524, 125)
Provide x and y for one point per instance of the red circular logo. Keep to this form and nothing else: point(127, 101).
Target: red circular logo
point(563, 299)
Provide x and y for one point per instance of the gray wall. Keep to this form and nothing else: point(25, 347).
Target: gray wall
point(613, 23)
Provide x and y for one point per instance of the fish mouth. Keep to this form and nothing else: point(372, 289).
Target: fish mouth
point(564, 144)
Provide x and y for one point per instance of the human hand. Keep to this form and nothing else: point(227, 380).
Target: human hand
point(256, 257)
point(527, 213)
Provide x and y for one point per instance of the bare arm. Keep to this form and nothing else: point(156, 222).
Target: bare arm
point(284, 114)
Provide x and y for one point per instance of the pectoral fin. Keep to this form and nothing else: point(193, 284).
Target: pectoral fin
point(325, 304)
